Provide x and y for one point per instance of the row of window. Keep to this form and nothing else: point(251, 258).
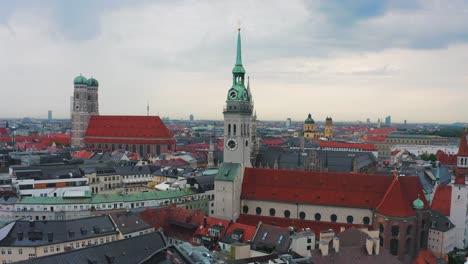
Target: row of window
point(395, 230)
point(109, 205)
point(303, 216)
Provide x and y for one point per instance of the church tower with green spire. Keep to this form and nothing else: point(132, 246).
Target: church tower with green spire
point(237, 143)
point(238, 116)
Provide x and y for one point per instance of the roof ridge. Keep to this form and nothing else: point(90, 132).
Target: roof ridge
point(386, 206)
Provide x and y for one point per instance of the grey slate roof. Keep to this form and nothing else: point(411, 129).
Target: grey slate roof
point(38, 233)
point(128, 222)
point(132, 170)
point(440, 222)
point(131, 250)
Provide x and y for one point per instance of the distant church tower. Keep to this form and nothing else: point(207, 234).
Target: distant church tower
point(238, 129)
point(328, 127)
point(84, 103)
point(238, 116)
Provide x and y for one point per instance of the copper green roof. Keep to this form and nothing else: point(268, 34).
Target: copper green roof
point(228, 171)
point(309, 120)
point(80, 80)
point(238, 68)
point(93, 82)
point(418, 203)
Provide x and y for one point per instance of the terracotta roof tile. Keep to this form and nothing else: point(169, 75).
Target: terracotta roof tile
point(442, 199)
point(395, 202)
point(128, 129)
point(463, 149)
point(327, 188)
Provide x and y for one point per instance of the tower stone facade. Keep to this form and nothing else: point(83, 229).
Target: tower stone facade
point(84, 104)
point(238, 117)
point(239, 139)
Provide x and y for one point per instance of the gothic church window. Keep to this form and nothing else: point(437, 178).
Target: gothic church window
point(258, 210)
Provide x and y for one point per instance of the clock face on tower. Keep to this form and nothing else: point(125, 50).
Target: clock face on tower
point(231, 144)
point(232, 94)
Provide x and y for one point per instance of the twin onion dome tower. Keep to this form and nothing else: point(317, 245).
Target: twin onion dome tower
point(239, 121)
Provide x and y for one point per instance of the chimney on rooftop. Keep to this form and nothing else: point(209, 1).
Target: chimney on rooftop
point(369, 245)
point(336, 244)
point(323, 247)
point(376, 245)
point(204, 221)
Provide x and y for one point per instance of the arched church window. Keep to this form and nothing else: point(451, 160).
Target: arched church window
point(409, 230)
point(333, 218)
point(229, 129)
point(366, 220)
point(234, 130)
point(141, 150)
point(394, 247)
point(395, 230)
point(258, 210)
point(272, 211)
point(158, 150)
point(317, 217)
point(148, 149)
point(287, 213)
point(113, 147)
point(408, 246)
point(245, 209)
point(302, 215)
point(126, 147)
point(120, 146)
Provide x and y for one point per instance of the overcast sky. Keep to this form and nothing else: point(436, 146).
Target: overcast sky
point(346, 59)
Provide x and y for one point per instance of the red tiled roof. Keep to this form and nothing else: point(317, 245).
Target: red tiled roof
point(442, 199)
point(334, 144)
point(249, 230)
point(3, 131)
point(447, 159)
point(375, 138)
point(425, 257)
point(395, 202)
point(325, 188)
point(82, 154)
point(128, 129)
point(273, 141)
point(463, 149)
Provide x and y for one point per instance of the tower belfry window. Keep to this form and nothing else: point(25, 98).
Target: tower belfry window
point(229, 129)
point(234, 130)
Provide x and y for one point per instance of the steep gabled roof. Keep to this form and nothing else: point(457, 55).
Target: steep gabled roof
point(395, 202)
point(329, 188)
point(323, 188)
point(137, 129)
point(463, 149)
point(442, 199)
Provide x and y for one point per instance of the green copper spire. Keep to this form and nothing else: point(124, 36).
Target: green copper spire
point(239, 51)
point(238, 68)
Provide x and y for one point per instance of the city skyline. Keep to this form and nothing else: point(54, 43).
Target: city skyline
point(399, 58)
